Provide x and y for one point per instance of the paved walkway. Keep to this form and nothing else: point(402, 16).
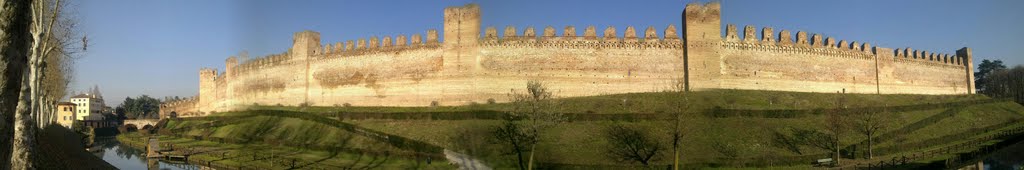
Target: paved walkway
point(152, 148)
point(464, 161)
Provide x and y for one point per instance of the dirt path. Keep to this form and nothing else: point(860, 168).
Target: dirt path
point(464, 161)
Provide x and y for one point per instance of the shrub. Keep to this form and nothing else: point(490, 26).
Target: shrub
point(164, 131)
point(434, 103)
point(347, 105)
point(122, 129)
point(491, 101)
point(632, 144)
point(471, 140)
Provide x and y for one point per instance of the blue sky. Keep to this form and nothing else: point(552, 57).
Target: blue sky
point(157, 47)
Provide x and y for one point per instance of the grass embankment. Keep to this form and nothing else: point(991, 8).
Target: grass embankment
point(61, 148)
point(716, 141)
point(277, 140)
point(739, 140)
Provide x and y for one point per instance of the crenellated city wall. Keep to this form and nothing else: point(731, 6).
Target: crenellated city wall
point(420, 70)
point(817, 64)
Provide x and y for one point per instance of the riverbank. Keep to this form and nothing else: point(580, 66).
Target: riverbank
point(61, 148)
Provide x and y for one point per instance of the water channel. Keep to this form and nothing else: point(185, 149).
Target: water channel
point(123, 156)
point(1011, 157)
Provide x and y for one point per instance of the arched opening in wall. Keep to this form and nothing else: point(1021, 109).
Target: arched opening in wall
point(129, 128)
point(172, 115)
point(147, 127)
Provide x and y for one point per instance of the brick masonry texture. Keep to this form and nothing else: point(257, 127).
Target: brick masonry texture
point(418, 69)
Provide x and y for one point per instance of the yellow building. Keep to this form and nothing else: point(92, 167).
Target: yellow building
point(66, 114)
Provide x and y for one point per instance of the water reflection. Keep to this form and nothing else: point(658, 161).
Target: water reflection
point(125, 157)
point(1011, 157)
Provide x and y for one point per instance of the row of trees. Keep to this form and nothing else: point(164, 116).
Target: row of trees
point(36, 45)
point(531, 116)
point(636, 144)
point(142, 107)
point(842, 120)
point(997, 81)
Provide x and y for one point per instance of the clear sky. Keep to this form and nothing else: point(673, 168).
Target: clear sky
point(157, 47)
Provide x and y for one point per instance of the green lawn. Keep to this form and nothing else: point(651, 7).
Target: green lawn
point(738, 140)
point(708, 139)
point(271, 129)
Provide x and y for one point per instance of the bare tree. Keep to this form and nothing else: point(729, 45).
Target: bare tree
point(531, 115)
point(470, 140)
point(56, 49)
point(631, 144)
point(516, 138)
point(680, 105)
point(869, 124)
point(836, 125)
point(33, 104)
point(15, 40)
point(55, 81)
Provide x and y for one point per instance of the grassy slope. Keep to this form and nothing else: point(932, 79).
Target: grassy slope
point(268, 128)
point(61, 148)
point(262, 129)
point(707, 138)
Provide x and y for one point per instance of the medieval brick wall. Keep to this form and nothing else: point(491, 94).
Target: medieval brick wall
point(419, 69)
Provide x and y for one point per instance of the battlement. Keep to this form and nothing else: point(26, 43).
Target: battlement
point(461, 25)
point(184, 101)
point(261, 62)
point(387, 43)
point(207, 74)
point(305, 43)
point(569, 35)
point(909, 54)
point(827, 46)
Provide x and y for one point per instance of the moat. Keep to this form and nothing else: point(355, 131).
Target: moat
point(123, 156)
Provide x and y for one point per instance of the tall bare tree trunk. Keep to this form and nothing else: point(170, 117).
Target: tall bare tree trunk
point(675, 152)
point(24, 131)
point(15, 39)
point(870, 153)
point(533, 149)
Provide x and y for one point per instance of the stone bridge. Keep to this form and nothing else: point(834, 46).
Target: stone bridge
point(141, 123)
